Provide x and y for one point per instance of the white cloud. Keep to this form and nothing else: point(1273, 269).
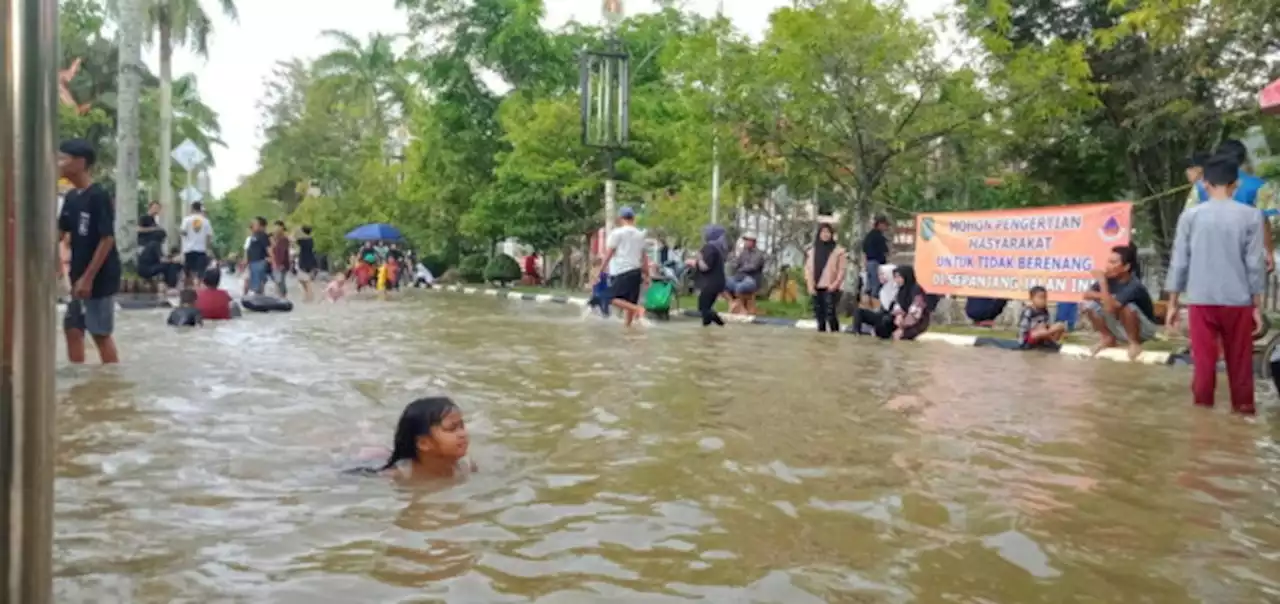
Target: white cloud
point(243, 54)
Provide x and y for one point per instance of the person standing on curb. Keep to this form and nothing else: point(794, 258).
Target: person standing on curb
point(875, 252)
point(87, 223)
point(1218, 269)
point(824, 271)
point(628, 265)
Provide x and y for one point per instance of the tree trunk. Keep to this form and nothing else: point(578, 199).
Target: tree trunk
point(128, 139)
point(167, 203)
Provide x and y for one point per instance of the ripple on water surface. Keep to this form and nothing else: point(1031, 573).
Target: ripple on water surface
point(667, 465)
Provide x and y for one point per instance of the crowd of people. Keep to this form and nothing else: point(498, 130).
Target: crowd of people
point(1221, 255)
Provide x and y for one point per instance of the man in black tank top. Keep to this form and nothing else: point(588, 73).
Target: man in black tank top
point(307, 264)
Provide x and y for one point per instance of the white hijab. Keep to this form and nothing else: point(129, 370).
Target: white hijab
point(888, 287)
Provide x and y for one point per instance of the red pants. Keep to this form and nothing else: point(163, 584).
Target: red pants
point(1233, 327)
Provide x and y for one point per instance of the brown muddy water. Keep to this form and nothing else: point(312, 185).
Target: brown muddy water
point(673, 464)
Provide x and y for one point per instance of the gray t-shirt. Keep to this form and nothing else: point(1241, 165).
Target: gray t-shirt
point(750, 262)
point(1218, 255)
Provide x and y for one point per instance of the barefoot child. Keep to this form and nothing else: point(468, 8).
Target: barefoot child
point(186, 315)
point(1034, 328)
point(600, 292)
point(336, 288)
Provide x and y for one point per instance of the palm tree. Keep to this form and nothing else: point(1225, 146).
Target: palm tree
point(370, 73)
point(192, 119)
point(129, 93)
point(176, 23)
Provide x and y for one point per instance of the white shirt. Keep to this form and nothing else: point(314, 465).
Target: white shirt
point(628, 245)
point(425, 274)
point(196, 233)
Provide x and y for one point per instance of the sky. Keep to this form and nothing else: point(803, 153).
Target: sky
point(242, 53)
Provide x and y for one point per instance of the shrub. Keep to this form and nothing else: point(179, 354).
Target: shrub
point(449, 277)
point(503, 269)
point(435, 263)
point(471, 269)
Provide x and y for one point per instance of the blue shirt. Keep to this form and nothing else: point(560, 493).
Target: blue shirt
point(1246, 193)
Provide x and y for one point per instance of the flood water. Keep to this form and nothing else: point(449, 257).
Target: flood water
point(673, 464)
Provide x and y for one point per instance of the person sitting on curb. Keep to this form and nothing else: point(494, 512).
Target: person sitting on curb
point(1035, 330)
point(1118, 305)
point(911, 308)
point(747, 276)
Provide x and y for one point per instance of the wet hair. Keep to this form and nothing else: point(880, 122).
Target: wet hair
point(1129, 255)
point(1039, 289)
point(306, 229)
point(187, 297)
point(212, 278)
point(417, 420)
point(1234, 149)
point(1221, 170)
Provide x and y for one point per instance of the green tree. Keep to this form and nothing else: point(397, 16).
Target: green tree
point(1165, 79)
point(172, 23)
point(366, 73)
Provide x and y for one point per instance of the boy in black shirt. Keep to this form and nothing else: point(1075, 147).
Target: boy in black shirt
point(87, 222)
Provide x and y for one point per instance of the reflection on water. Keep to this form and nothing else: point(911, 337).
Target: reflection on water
point(668, 465)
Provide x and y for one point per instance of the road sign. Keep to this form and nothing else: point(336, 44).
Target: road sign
point(188, 155)
point(190, 195)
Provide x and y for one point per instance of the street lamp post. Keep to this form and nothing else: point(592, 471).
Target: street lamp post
point(605, 88)
point(27, 267)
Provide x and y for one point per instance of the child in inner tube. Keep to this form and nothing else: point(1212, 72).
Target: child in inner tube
point(430, 442)
point(186, 315)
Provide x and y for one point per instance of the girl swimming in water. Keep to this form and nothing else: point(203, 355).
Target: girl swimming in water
point(430, 442)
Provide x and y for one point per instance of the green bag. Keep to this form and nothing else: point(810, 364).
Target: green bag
point(658, 297)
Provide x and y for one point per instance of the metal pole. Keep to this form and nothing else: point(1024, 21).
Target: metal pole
point(610, 195)
point(715, 183)
point(27, 267)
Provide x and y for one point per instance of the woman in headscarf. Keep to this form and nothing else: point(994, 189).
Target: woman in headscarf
point(824, 271)
point(910, 307)
point(708, 276)
point(879, 319)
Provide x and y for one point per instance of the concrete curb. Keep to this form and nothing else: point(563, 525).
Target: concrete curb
point(1069, 350)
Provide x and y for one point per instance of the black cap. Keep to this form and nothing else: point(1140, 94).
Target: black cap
point(78, 147)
